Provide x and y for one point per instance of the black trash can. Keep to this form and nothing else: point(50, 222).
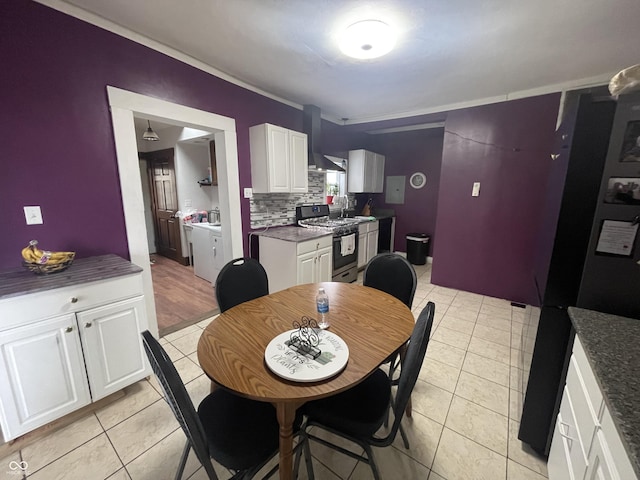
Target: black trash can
point(417, 248)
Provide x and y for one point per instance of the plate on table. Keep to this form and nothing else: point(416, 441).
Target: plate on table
point(286, 361)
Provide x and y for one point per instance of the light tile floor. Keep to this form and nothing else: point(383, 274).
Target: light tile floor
point(466, 409)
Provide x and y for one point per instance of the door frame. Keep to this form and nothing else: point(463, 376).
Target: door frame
point(124, 105)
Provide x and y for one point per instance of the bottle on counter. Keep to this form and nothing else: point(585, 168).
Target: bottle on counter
point(322, 304)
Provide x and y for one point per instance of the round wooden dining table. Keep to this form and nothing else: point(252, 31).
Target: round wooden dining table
point(231, 350)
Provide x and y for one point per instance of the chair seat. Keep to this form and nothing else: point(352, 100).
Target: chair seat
point(246, 434)
point(348, 413)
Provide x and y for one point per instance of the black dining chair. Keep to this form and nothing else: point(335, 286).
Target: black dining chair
point(358, 413)
point(240, 280)
point(392, 274)
point(240, 434)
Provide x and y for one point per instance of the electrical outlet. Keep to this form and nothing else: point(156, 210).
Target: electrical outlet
point(248, 192)
point(33, 215)
point(475, 192)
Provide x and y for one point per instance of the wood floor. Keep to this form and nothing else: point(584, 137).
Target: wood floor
point(181, 297)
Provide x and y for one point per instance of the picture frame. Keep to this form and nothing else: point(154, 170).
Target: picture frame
point(623, 191)
point(630, 151)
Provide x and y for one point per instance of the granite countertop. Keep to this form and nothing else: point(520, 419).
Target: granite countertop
point(613, 349)
point(20, 281)
point(291, 233)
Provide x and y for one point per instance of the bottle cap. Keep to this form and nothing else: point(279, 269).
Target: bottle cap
point(321, 290)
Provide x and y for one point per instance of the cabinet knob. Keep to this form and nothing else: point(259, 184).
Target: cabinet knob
point(87, 325)
point(68, 329)
point(74, 299)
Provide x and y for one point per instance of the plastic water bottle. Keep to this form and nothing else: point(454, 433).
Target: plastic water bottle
point(322, 303)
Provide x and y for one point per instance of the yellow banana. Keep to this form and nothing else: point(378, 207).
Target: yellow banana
point(32, 254)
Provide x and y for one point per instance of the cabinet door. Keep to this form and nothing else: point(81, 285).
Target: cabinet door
point(218, 256)
point(370, 174)
point(307, 267)
point(362, 250)
point(378, 173)
point(372, 244)
point(324, 265)
point(202, 257)
point(42, 374)
point(113, 350)
point(278, 159)
point(299, 160)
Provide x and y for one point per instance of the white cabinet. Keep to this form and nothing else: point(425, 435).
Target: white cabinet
point(290, 263)
point(208, 253)
point(367, 242)
point(586, 444)
point(365, 172)
point(63, 348)
point(279, 160)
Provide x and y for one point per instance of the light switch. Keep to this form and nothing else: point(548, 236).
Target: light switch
point(33, 215)
point(187, 203)
point(248, 192)
point(475, 192)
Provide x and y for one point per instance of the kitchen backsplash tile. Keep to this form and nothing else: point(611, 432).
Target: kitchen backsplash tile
point(274, 209)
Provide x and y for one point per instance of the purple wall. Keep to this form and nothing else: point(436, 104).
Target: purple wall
point(58, 148)
point(59, 153)
point(489, 244)
point(405, 154)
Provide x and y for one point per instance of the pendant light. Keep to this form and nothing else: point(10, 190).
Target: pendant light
point(149, 134)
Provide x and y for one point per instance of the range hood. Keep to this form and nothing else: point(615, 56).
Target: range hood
point(311, 125)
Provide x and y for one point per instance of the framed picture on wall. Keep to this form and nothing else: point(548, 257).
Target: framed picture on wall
point(631, 143)
point(623, 190)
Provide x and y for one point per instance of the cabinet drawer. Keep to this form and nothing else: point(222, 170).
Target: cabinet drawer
point(313, 245)
point(568, 429)
point(25, 309)
point(585, 412)
point(587, 376)
point(620, 464)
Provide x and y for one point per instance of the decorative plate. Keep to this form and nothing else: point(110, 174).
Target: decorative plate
point(418, 180)
point(297, 366)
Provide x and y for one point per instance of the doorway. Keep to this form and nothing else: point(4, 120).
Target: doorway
point(124, 106)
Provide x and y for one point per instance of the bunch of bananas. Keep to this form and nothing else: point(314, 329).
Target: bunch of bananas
point(32, 254)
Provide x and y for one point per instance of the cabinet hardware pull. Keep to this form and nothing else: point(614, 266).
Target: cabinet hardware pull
point(68, 329)
point(87, 325)
point(74, 299)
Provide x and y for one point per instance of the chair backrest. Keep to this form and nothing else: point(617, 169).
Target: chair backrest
point(240, 280)
point(393, 274)
point(177, 396)
point(412, 363)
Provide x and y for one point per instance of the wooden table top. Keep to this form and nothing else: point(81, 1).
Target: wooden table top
point(231, 348)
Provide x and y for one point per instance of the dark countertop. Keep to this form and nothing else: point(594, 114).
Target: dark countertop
point(291, 233)
point(20, 281)
point(612, 344)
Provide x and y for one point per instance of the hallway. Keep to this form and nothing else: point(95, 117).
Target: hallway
point(182, 299)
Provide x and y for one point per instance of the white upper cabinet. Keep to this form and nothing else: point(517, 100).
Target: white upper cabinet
point(279, 162)
point(366, 172)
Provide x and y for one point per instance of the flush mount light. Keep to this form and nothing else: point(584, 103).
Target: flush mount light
point(367, 39)
point(149, 134)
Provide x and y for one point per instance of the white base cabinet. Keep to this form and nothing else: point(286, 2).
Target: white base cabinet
point(368, 233)
point(290, 263)
point(586, 443)
point(64, 348)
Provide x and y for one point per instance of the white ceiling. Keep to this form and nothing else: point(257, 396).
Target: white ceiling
point(449, 53)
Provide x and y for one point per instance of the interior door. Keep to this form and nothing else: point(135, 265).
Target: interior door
point(164, 199)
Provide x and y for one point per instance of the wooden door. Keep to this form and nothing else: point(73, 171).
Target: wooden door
point(164, 203)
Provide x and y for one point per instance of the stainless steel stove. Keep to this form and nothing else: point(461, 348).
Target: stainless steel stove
point(345, 238)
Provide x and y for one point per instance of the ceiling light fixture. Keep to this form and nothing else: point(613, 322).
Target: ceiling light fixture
point(367, 39)
point(149, 134)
